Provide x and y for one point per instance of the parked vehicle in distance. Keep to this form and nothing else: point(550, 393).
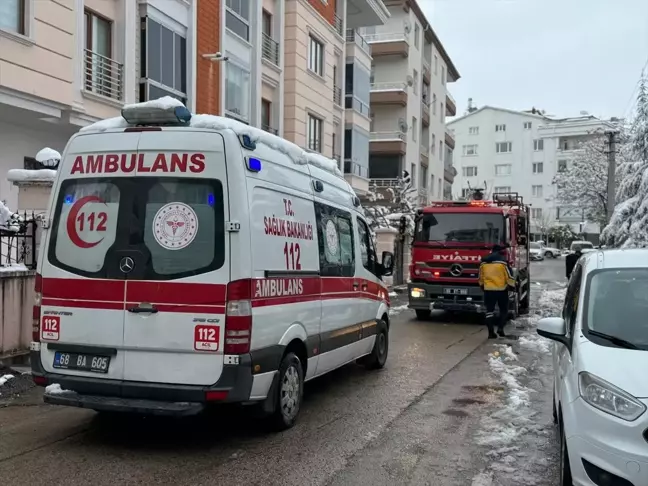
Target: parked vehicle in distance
point(535, 252)
point(600, 394)
point(550, 252)
point(583, 245)
point(190, 263)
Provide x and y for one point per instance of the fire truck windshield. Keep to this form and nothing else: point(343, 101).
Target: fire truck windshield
point(448, 228)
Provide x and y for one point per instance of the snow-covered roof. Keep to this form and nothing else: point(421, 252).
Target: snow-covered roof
point(506, 110)
point(297, 154)
point(24, 175)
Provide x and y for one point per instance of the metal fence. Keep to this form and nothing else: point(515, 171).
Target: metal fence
point(18, 241)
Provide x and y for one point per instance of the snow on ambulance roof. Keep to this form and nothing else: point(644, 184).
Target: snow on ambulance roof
point(213, 122)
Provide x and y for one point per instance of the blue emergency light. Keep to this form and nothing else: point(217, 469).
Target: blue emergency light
point(143, 115)
point(252, 164)
point(211, 199)
point(69, 199)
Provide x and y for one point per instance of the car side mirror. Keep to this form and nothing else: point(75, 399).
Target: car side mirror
point(387, 263)
point(554, 328)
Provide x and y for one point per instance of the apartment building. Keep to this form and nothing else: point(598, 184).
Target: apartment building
point(409, 102)
point(521, 151)
point(61, 67)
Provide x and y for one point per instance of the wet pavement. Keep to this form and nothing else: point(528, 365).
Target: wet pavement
point(421, 421)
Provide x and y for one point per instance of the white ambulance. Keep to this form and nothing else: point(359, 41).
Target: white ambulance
point(192, 260)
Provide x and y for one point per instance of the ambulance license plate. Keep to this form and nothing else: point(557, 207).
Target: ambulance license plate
point(81, 362)
point(455, 291)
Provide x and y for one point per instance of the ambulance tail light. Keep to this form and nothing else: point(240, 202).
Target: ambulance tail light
point(238, 317)
point(36, 311)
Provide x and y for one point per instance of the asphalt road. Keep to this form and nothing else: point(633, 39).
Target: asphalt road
point(411, 423)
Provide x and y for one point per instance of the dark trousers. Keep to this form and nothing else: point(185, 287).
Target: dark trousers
point(499, 298)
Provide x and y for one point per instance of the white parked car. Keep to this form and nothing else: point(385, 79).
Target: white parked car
point(584, 246)
point(535, 252)
point(549, 252)
point(600, 359)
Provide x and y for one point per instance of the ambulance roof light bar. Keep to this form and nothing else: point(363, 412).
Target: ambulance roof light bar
point(139, 115)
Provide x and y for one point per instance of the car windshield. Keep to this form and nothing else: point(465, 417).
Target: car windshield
point(535, 246)
point(617, 305)
point(486, 228)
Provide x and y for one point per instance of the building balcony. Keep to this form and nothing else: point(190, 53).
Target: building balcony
point(103, 76)
point(388, 143)
point(451, 106)
point(366, 13)
point(423, 196)
point(270, 50)
point(388, 44)
point(338, 23)
point(357, 176)
point(449, 173)
point(425, 156)
point(450, 138)
point(393, 93)
point(427, 73)
point(337, 95)
point(425, 114)
point(354, 37)
point(269, 129)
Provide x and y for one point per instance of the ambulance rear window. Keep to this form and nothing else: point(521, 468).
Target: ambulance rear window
point(170, 227)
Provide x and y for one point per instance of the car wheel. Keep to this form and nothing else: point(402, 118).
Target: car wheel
point(565, 467)
point(289, 393)
point(378, 357)
point(422, 314)
point(548, 254)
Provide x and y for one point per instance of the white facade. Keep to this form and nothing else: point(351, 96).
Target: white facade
point(515, 151)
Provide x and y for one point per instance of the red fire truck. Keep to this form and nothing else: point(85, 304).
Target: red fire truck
point(450, 239)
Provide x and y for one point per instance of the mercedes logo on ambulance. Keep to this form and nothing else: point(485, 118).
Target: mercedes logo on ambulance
point(126, 264)
point(456, 269)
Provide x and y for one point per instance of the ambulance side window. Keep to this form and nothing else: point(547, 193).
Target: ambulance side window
point(367, 250)
point(335, 240)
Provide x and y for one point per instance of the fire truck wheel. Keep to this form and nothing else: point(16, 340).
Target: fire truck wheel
point(524, 303)
point(423, 314)
point(514, 309)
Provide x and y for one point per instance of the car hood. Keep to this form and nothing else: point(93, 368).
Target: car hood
point(624, 368)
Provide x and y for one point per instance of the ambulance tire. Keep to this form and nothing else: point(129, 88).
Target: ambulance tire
point(288, 394)
point(423, 314)
point(378, 357)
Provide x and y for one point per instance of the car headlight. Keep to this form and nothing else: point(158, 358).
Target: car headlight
point(417, 293)
point(608, 398)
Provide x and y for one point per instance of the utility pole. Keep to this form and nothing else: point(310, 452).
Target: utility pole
point(611, 178)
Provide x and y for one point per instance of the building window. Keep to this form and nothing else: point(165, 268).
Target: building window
point(538, 167)
point(436, 65)
point(469, 171)
point(500, 128)
point(413, 175)
point(433, 145)
point(237, 18)
point(316, 56)
point(416, 36)
point(503, 147)
point(423, 177)
point(415, 81)
point(562, 165)
point(315, 126)
point(465, 192)
point(538, 145)
point(441, 112)
point(536, 213)
point(502, 189)
point(99, 66)
point(536, 191)
point(473, 131)
point(266, 116)
point(266, 23)
point(164, 63)
point(527, 125)
point(414, 128)
point(441, 151)
point(443, 76)
point(237, 91)
point(470, 149)
point(503, 170)
point(12, 16)
point(434, 101)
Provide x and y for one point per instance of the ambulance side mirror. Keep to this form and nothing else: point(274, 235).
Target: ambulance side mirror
point(387, 263)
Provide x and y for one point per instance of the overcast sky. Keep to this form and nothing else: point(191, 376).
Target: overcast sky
point(563, 56)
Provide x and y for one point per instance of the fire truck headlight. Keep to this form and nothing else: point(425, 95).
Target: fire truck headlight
point(417, 293)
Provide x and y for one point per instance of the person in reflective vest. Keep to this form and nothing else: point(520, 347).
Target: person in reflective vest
point(495, 279)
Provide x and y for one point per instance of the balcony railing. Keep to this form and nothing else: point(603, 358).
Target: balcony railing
point(426, 65)
point(390, 86)
point(386, 37)
point(338, 24)
point(103, 76)
point(337, 95)
point(354, 168)
point(270, 49)
point(315, 145)
point(384, 183)
point(353, 36)
point(350, 101)
point(449, 96)
point(387, 136)
point(269, 129)
point(425, 150)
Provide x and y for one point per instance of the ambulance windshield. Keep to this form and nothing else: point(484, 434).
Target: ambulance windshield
point(448, 228)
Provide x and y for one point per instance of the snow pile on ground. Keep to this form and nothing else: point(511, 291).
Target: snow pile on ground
point(398, 309)
point(5, 378)
point(297, 155)
point(55, 389)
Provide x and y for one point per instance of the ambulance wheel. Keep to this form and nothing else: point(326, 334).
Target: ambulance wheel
point(378, 357)
point(288, 394)
point(423, 314)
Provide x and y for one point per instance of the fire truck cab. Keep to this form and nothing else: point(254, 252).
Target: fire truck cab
point(450, 239)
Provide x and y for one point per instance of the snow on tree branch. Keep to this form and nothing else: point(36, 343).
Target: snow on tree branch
point(628, 226)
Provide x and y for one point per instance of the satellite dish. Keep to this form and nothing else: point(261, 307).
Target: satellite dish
point(402, 125)
point(410, 80)
point(407, 27)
